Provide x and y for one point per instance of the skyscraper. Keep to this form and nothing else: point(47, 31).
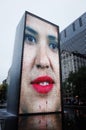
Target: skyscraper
point(73, 46)
point(73, 37)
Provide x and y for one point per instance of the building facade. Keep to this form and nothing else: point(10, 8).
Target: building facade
point(73, 37)
point(73, 46)
point(71, 62)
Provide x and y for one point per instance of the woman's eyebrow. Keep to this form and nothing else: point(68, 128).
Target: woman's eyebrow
point(31, 30)
point(51, 37)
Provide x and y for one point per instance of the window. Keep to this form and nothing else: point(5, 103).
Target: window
point(65, 33)
point(80, 22)
point(73, 26)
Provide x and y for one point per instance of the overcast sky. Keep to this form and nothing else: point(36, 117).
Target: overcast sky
point(60, 12)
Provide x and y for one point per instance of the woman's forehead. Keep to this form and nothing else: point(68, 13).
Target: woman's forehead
point(35, 20)
point(37, 23)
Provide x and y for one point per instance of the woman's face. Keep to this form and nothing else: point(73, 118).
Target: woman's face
point(40, 83)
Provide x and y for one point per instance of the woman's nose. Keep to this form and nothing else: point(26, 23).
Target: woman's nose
point(42, 59)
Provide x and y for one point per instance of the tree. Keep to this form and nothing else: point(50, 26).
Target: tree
point(78, 81)
point(3, 91)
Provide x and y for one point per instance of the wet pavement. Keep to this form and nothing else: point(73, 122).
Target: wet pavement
point(72, 119)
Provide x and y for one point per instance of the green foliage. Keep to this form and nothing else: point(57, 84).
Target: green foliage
point(3, 91)
point(77, 81)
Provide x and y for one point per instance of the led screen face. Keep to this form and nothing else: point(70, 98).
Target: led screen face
point(40, 80)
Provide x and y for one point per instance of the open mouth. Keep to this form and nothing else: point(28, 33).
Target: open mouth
point(43, 84)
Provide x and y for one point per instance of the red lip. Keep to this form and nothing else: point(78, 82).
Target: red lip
point(43, 84)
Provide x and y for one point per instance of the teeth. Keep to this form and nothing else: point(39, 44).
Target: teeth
point(44, 83)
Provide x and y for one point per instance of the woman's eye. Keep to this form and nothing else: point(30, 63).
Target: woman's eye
point(53, 46)
point(30, 39)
